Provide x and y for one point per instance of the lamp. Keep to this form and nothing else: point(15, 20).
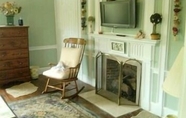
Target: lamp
point(172, 83)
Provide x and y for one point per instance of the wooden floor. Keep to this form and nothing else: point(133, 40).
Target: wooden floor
point(40, 83)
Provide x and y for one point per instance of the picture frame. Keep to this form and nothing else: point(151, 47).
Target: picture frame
point(118, 46)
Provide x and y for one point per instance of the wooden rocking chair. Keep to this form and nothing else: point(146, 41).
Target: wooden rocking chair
point(66, 71)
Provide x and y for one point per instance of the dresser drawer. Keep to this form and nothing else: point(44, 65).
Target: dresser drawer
point(13, 54)
point(13, 32)
point(14, 73)
point(13, 43)
point(12, 64)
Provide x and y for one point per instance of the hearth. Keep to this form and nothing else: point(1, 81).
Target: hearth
point(118, 78)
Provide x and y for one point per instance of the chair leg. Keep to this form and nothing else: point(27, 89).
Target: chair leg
point(46, 86)
point(76, 86)
point(63, 92)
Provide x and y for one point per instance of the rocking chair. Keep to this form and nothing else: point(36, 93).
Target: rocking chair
point(66, 71)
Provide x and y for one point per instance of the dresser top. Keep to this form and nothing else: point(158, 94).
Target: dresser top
point(14, 26)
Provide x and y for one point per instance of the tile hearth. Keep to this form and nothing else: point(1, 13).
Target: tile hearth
point(108, 106)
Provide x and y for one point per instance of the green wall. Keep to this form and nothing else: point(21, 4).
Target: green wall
point(39, 16)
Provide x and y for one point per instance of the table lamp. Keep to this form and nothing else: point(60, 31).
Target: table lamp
point(172, 83)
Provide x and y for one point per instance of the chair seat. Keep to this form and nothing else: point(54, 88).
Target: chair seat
point(57, 74)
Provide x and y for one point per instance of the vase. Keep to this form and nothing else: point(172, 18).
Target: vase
point(10, 20)
point(155, 36)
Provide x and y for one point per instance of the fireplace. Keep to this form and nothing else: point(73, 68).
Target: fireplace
point(118, 78)
point(130, 48)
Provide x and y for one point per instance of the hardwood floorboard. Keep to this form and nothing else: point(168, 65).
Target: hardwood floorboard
point(40, 83)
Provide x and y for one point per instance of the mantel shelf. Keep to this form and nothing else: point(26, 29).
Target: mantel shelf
point(125, 38)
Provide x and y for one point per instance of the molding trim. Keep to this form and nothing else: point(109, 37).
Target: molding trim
point(47, 47)
point(165, 30)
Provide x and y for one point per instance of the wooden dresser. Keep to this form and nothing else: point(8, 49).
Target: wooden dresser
point(14, 54)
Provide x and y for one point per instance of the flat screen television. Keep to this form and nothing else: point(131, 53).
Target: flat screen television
point(120, 14)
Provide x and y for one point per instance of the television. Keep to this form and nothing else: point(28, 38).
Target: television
point(118, 14)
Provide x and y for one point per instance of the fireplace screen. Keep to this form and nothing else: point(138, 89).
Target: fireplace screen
point(118, 78)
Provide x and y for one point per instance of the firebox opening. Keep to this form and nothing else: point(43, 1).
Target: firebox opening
point(119, 80)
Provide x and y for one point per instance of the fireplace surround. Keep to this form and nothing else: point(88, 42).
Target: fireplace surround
point(130, 48)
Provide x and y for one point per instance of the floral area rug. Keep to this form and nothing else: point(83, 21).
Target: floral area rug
point(49, 106)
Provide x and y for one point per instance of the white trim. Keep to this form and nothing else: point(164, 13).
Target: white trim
point(163, 53)
point(88, 80)
point(33, 48)
point(97, 16)
point(126, 39)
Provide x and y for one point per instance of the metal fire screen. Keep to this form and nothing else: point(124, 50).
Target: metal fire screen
point(118, 79)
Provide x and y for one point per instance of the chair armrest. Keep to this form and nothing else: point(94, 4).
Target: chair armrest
point(74, 71)
point(51, 64)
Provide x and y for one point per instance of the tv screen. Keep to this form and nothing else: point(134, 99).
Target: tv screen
point(118, 13)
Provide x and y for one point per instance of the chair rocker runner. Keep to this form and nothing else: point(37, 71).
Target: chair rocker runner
point(66, 71)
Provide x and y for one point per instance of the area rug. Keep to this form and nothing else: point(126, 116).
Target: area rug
point(49, 106)
point(5, 111)
point(108, 106)
point(21, 89)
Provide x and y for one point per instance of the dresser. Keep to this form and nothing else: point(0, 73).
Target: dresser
point(14, 54)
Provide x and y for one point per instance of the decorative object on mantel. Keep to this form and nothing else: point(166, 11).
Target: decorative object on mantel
point(155, 19)
point(100, 32)
point(177, 9)
point(9, 10)
point(140, 35)
point(83, 15)
point(91, 19)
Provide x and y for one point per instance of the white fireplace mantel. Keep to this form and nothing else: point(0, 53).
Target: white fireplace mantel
point(129, 47)
point(141, 49)
point(126, 38)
